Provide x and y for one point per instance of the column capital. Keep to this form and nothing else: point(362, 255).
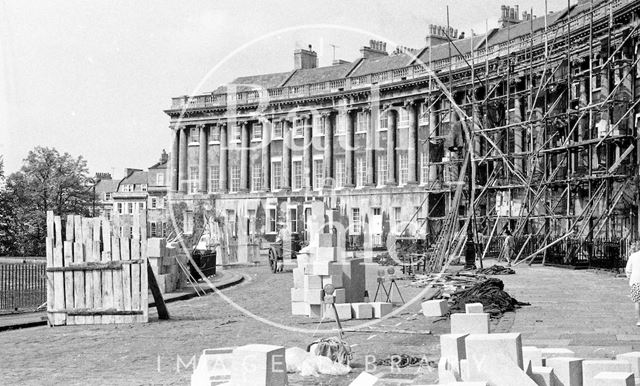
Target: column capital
point(304, 116)
point(327, 113)
point(200, 126)
point(222, 124)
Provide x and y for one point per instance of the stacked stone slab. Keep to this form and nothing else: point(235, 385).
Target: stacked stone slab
point(164, 261)
point(500, 359)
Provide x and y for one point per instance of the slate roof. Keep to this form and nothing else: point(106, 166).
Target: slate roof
point(137, 177)
point(382, 63)
point(319, 74)
point(107, 186)
point(247, 83)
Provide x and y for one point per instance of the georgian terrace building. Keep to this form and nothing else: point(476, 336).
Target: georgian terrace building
point(550, 101)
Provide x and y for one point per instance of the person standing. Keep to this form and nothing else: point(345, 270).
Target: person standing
point(633, 274)
point(508, 247)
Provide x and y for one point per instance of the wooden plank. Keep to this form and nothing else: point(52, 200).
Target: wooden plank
point(135, 276)
point(50, 288)
point(59, 318)
point(94, 266)
point(78, 280)
point(68, 277)
point(161, 307)
point(144, 283)
point(77, 227)
point(69, 228)
point(58, 232)
point(87, 242)
point(125, 254)
point(118, 300)
point(143, 226)
point(97, 281)
point(50, 229)
point(103, 312)
point(107, 276)
point(135, 229)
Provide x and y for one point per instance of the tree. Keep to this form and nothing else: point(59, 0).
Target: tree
point(47, 181)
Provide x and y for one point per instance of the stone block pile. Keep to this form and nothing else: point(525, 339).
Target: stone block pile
point(164, 261)
point(473, 357)
point(324, 262)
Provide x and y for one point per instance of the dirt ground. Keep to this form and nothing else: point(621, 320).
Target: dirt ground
point(164, 352)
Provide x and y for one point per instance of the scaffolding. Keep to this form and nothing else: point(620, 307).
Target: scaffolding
point(550, 124)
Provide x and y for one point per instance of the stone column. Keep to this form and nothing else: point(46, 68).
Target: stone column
point(224, 158)
point(307, 151)
point(287, 137)
point(433, 123)
point(202, 159)
point(391, 146)
point(266, 155)
point(412, 150)
point(175, 150)
point(328, 147)
point(517, 135)
point(183, 160)
point(369, 151)
point(349, 150)
point(244, 157)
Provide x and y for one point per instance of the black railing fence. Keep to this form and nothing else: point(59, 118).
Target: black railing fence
point(23, 286)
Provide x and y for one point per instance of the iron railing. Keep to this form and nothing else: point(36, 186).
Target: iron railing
point(23, 286)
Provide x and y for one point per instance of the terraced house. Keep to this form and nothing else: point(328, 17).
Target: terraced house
point(545, 107)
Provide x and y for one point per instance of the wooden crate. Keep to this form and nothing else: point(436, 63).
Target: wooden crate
point(95, 276)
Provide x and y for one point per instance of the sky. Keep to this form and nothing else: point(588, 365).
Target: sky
point(92, 78)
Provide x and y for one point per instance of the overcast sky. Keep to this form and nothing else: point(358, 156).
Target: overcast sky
point(92, 78)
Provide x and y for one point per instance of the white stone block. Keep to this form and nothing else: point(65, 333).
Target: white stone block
point(297, 294)
point(464, 370)
point(532, 354)
point(341, 295)
point(552, 352)
point(315, 311)
point(344, 311)
point(259, 364)
point(214, 365)
point(544, 376)
point(593, 367)
point(312, 282)
point(325, 254)
point(319, 268)
point(298, 278)
point(303, 259)
point(299, 308)
point(496, 359)
point(474, 308)
point(362, 310)
point(452, 347)
point(634, 359)
point(156, 247)
point(435, 308)
point(335, 280)
point(470, 324)
point(381, 309)
point(608, 378)
point(364, 379)
point(446, 373)
point(568, 370)
point(313, 296)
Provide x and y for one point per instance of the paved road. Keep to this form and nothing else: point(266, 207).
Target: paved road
point(589, 312)
point(585, 311)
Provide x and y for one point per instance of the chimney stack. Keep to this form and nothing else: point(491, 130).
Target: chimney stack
point(509, 16)
point(375, 49)
point(103, 176)
point(438, 35)
point(304, 59)
point(164, 157)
